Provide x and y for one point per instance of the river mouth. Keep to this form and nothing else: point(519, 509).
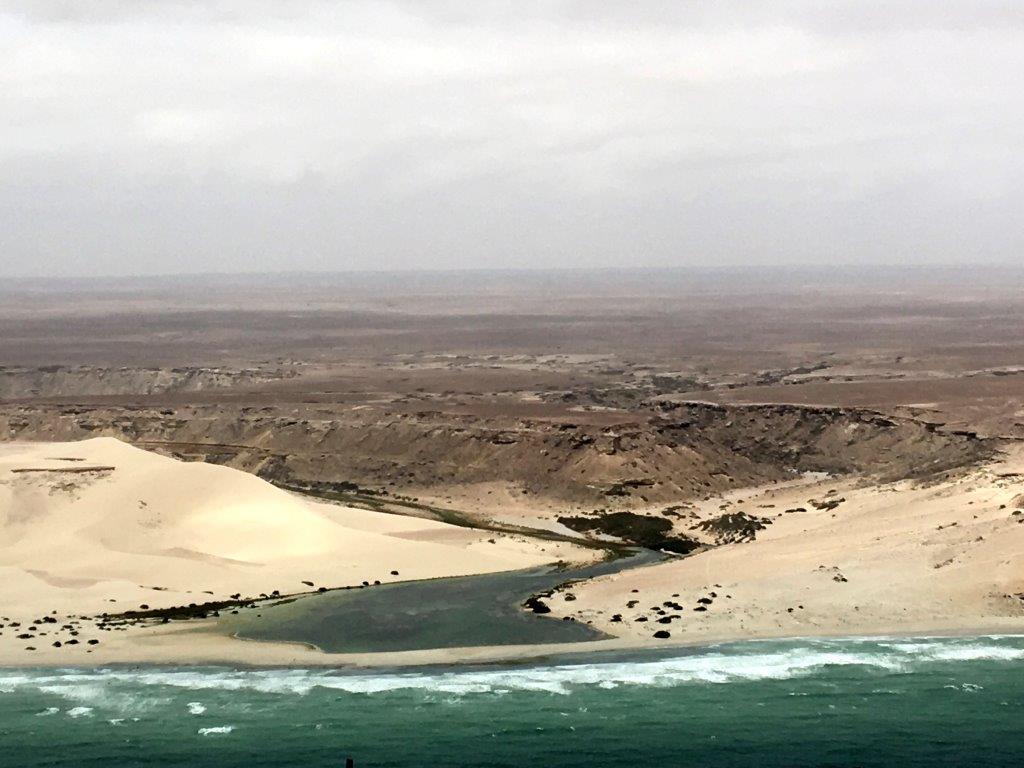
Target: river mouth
point(484, 610)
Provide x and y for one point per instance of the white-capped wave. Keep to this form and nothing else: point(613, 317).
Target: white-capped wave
point(956, 650)
point(80, 712)
point(977, 652)
point(702, 668)
point(768, 660)
point(195, 708)
point(217, 729)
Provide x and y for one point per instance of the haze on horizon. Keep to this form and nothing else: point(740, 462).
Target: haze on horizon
point(310, 135)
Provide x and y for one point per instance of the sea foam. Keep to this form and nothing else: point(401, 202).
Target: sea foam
point(217, 729)
point(735, 663)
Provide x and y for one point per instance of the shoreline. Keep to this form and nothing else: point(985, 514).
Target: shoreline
point(198, 648)
point(877, 559)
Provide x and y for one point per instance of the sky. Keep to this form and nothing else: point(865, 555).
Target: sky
point(180, 137)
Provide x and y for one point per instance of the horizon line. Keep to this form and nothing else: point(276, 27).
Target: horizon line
point(723, 268)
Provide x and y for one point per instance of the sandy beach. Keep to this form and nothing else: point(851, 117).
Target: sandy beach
point(98, 527)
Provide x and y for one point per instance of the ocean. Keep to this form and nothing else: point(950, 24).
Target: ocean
point(851, 702)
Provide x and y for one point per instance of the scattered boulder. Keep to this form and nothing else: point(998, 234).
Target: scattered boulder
point(536, 605)
point(826, 505)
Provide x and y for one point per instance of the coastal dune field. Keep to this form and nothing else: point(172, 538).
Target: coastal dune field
point(98, 526)
point(97, 530)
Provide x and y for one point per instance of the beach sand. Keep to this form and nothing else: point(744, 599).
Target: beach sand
point(944, 556)
point(98, 526)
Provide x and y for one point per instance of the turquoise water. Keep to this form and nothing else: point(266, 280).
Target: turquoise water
point(883, 702)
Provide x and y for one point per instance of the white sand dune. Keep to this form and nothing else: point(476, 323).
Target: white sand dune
point(935, 557)
point(98, 525)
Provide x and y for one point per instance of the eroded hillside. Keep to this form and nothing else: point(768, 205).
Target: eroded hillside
point(672, 453)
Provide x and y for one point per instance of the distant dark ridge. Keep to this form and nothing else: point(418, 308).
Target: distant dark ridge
point(670, 452)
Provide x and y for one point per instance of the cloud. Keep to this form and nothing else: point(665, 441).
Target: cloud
point(191, 136)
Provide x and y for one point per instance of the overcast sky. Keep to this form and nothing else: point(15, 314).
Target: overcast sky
point(170, 137)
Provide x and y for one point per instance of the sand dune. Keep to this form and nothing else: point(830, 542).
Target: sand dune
point(98, 525)
point(940, 556)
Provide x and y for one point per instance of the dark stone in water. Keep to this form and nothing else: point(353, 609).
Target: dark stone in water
point(536, 605)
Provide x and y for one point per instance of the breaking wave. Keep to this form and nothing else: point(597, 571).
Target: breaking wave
point(217, 729)
point(723, 664)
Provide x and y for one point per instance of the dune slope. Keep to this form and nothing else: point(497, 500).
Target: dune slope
point(833, 557)
point(98, 525)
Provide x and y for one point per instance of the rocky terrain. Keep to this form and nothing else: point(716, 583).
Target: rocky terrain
point(489, 403)
point(26, 383)
point(680, 451)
